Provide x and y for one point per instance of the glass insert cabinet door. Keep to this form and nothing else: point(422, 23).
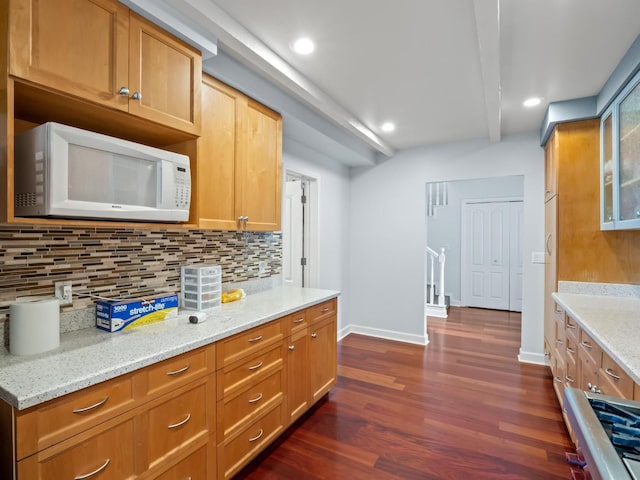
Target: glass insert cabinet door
point(620, 160)
point(629, 173)
point(606, 130)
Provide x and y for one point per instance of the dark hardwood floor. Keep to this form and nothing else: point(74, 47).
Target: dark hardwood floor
point(461, 408)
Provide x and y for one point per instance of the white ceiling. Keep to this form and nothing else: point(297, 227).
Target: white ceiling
point(441, 70)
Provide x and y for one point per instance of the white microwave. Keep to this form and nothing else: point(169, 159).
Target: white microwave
point(66, 172)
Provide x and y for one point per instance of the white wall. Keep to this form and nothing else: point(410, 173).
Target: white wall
point(387, 233)
point(333, 216)
point(444, 227)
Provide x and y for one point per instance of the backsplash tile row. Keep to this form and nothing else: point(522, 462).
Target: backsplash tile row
point(123, 262)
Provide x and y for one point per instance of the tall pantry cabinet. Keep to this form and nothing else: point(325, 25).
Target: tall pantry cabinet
point(571, 226)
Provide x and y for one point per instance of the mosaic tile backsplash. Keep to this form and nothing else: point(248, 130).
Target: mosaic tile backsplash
point(124, 262)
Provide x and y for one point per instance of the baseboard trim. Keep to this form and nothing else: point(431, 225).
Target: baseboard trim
point(385, 334)
point(530, 357)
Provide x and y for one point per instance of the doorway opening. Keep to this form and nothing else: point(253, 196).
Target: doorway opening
point(299, 231)
point(448, 227)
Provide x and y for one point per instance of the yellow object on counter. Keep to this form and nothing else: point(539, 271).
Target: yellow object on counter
point(232, 295)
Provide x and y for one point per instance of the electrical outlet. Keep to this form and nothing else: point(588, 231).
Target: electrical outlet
point(262, 267)
point(63, 292)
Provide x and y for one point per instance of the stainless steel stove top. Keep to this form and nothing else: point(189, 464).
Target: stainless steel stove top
point(608, 433)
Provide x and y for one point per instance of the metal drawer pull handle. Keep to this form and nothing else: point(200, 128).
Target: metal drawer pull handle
point(571, 325)
point(91, 407)
point(325, 309)
point(569, 379)
point(559, 341)
point(255, 367)
point(255, 339)
point(95, 472)
point(558, 379)
point(548, 248)
point(257, 399)
point(570, 350)
point(587, 345)
point(300, 320)
point(176, 372)
point(179, 424)
point(314, 335)
point(257, 436)
point(611, 373)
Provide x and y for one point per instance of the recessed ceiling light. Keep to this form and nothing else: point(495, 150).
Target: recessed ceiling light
point(303, 46)
point(388, 127)
point(532, 102)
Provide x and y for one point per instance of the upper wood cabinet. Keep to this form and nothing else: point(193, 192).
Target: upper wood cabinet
point(550, 168)
point(101, 52)
point(166, 75)
point(239, 161)
point(620, 161)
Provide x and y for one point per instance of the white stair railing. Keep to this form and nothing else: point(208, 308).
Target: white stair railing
point(430, 274)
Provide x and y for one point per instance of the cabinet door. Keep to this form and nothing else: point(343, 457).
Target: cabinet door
point(550, 267)
point(606, 169)
point(551, 167)
point(166, 75)
point(217, 157)
point(259, 166)
point(323, 357)
point(79, 47)
point(629, 153)
point(298, 394)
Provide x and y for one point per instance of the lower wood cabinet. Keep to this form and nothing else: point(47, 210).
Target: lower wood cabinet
point(322, 352)
point(298, 370)
point(577, 360)
point(197, 415)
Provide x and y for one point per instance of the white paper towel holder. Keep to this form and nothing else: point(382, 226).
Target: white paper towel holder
point(34, 325)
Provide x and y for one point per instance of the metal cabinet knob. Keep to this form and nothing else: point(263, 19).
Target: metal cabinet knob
point(292, 347)
point(123, 91)
point(314, 335)
point(136, 96)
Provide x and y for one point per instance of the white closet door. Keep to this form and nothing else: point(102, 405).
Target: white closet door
point(485, 255)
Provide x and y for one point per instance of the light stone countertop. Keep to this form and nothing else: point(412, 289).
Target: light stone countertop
point(90, 356)
point(614, 322)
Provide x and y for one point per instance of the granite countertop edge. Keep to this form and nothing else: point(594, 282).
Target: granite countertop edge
point(89, 356)
point(611, 321)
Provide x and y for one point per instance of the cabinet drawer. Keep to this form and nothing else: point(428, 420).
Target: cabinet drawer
point(236, 377)
point(238, 346)
point(193, 467)
point(571, 348)
point(322, 310)
point(61, 418)
point(571, 372)
point(294, 322)
point(571, 327)
point(613, 380)
point(176, 423)
point(174, 372)
point(109, 454)
point(559, 374)
point(590, 348)
point(237, 452)
point(237, 410)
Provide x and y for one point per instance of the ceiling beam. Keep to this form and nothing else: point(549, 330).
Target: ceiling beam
point(487, 17)
point(250, 50)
